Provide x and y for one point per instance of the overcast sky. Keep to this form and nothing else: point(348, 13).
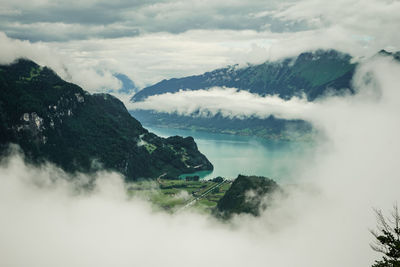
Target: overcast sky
point(153, 40)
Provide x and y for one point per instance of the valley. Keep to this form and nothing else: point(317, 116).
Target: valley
point(178, 195)
point(199, 133)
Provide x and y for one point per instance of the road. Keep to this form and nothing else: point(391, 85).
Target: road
point(193, 201)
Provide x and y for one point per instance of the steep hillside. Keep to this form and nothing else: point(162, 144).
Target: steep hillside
point(246, 195)
point(57, 121)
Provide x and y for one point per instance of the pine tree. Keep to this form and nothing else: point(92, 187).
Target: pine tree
point(387, 238)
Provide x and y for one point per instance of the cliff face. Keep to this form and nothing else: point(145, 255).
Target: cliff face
point(57, 121)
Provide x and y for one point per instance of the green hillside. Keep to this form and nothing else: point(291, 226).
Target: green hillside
point(311, 73)
point(57, 121)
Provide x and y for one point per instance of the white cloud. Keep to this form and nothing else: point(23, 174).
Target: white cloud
point(323, 222)
point(234, 103)
point(180, 38)
point(361, 29)
point(364, 15)
point(229, 102)
point(89, 75)
point(150, 58)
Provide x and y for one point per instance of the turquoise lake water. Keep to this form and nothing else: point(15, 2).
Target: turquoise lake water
point(232, 155)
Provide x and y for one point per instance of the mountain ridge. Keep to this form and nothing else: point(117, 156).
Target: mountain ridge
point(310, 73)
point(53, 120)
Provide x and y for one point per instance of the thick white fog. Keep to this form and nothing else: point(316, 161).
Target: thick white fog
point(325, 221)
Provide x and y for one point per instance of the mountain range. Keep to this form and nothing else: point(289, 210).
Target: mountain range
point(311, 74)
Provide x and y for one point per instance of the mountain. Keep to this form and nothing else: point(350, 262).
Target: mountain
point(314, 74)
point(56, 121)
point(247, 194)
point(311, 73)
point(128, 86)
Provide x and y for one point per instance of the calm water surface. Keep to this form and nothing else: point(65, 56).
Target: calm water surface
point(232, 155)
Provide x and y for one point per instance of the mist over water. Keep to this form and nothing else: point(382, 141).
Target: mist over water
point(47, 221)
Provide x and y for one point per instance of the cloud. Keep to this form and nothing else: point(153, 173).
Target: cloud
point(324, 221)
point(91, 76)
point(358, 14)
point(59, 31)
point(150, 58)
point(135, 16)
point(229, 102)
point(79, 20)
point(154, 40)
point(235, 103)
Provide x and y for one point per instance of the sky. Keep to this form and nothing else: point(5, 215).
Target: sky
point(87, 41)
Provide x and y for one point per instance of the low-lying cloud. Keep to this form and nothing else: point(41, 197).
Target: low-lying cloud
point(323, 222)
point(229, 102)
point(236, 103)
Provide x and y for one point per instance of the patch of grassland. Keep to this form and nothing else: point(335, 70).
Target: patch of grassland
point(150, 147)
point(35, 71)
point(171, 195)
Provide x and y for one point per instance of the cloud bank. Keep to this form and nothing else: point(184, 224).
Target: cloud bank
point(154, 40)
point(81, 20)
point(229, 102)
point(235, 103)
point(323, 222)
point(91, 77)
point(48, 21)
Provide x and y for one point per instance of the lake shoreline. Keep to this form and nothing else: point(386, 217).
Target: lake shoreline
point(232, 155)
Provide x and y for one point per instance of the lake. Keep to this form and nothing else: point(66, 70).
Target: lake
point(232, 155)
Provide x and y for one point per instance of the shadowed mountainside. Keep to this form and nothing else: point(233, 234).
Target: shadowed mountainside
point(53, 120)
point(246, 195)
